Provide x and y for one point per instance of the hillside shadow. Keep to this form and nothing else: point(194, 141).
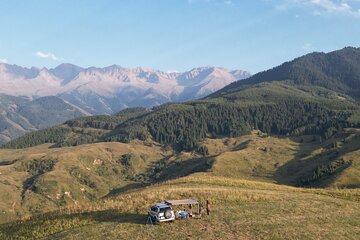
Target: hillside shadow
point(168, 170)
point(109, 215)
point(28, 185)
point(114, 216)
point(302, 172)
point(164, 170)
point(126, 188)
point(287, 173)
point(241, 146)
point(7, 163)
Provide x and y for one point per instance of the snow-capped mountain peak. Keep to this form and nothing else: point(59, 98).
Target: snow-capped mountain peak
point(109, 89)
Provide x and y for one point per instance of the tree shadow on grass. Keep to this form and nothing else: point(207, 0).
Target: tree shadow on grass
point(116, 217)
point(166, 169)
point(56, 223)
point(241, 146)
point(126, 188)
point(109, 215)
point(319, 170)
point(7, 163)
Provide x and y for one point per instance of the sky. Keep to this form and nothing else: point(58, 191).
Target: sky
point(174, 35)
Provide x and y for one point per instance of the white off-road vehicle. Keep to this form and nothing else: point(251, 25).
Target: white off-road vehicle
point(161, 212)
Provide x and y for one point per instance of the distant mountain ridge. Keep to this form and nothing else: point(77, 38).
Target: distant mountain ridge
point(111, 89)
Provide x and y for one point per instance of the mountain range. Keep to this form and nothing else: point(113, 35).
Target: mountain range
point(33, 98)
point(111, 89)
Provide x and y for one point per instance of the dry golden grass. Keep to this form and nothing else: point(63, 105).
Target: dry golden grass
point(56, 183)
point(241, 210)
point(241, 184)
point(252, 157)
point(286, 160)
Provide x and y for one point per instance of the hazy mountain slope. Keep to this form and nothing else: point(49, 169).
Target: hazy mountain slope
point(18, 81)
point(338, 70)
point(110, 89)
point(19, 115)
point(66, 72)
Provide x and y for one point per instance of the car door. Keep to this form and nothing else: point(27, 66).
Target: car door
point(154, 211)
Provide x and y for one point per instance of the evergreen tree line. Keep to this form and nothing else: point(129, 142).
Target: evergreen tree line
point(184, 126)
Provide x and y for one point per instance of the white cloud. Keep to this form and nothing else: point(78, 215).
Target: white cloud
point(3, 60)
point(47, 55)
point(307, 46)
point(321, 7)
point(331, 5)
point(228, 2)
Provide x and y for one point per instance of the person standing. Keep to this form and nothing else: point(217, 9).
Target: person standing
point(200, 208)
point(208, 208)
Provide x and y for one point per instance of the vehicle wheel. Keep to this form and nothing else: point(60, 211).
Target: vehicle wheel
point(167, 214)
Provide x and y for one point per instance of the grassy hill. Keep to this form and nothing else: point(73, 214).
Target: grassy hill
point(242, 209)
point(338, 71)
point(42, 179)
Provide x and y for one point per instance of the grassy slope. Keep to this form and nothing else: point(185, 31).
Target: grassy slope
point(239, 178)
point(90, 179)
point(338, 70)
point(287, 161)
point(242, 209)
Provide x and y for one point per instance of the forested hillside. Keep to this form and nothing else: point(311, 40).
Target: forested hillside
point(338, 70)
point(274, 108)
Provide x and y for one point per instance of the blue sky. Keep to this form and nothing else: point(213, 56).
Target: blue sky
point(176, 35)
